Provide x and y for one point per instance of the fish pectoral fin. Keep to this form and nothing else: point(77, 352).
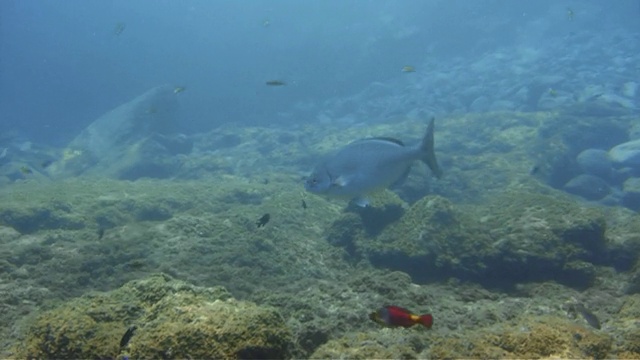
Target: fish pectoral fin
point(361, 201)
point(340, 181)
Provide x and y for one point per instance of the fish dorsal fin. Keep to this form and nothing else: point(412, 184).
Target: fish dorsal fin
point(399, 308)
point(384, 139)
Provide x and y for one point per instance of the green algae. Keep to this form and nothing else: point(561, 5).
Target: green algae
point(173, 319)
point(204, 231)
point(517, 233)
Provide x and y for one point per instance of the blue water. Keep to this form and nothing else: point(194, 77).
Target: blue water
point(62, 64)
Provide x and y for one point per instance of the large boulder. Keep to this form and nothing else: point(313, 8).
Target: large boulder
point(172, 319)
point(136, 139)
point(595, 162)
point(626, 154)
point(518, 237)
point(588, 186)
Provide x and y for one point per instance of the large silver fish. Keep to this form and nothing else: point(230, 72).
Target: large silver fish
point(368, 165)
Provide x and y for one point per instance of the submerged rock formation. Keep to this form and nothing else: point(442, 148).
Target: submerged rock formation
point(136, 139)
point(172, 319)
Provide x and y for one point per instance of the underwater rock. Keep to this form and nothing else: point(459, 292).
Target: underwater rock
point(631, 193)
point(370, 345)
point(634, 131)
point(626, 154)
point(151, 157)
point(633, 286)
point(113, 135)
point(174, 320)
point(376, 90)
point(28, 219)
point(630, 89)
point(595, 162)
point(588, 186)
point(629, 339)
point(615, 198)
point(480, 104)
point(529, 337)
point(558, 100)
point(502, 105)
point(428, 242)
point(518, 237)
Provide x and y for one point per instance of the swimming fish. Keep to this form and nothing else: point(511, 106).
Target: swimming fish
point(575, 308)
point(179, 89)
point(275, 83)
point(534, 169)
point(127, 336)
point(263, 220)
point(25, 170)
point(119, 28)
point(394, 316)
point(408, 69)
point(45, 163)
point(587, 315)
point(368, 165)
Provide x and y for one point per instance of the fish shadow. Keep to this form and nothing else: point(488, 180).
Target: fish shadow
point(376, 219)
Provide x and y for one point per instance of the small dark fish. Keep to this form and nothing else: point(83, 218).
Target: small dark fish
point(25, 170)
point(570, 14)
point(276, 83)
point(119, 28)
point(304, 204)
point(263, 220)
point(534, 169)
point(590, 317)
point(45, 164)
point(127, 336)
point(100, 233)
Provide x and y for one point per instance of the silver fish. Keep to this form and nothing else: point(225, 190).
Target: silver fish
point(368, 165)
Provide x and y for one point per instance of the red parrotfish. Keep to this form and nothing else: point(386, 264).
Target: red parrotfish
point(394, 316)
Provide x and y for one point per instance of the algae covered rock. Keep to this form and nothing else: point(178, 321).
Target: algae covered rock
point(173, 319)
point(545, 237)
point(431, 238)
point(626, 324)
point(589, 187)
point(529, 338)
point(136, 133)
point(518, 237)
point(385, 344)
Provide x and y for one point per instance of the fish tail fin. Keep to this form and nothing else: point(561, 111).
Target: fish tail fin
point(428, 155)
point(426, 320)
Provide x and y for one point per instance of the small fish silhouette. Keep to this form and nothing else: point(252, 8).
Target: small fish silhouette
point(119, 28)
point(276, 83)
point(263, 220)
point(127, 336)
